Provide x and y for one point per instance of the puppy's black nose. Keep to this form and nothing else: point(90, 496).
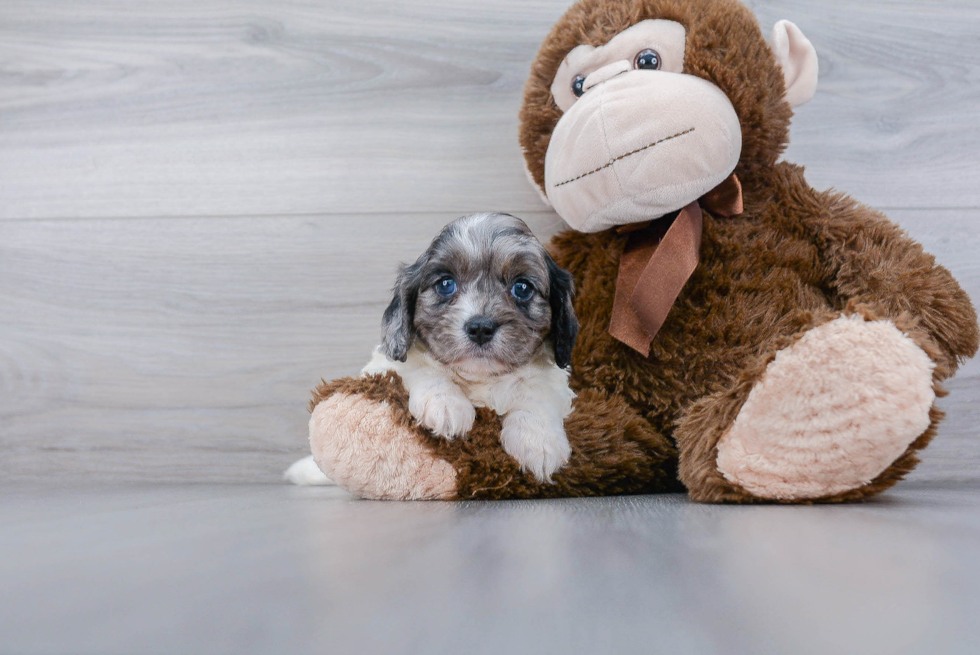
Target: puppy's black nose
point(480, 329)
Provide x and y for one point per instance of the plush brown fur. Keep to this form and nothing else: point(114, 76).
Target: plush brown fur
point(614, 451)
point(795, 259)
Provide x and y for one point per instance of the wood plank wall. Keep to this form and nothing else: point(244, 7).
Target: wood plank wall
point(202, 203)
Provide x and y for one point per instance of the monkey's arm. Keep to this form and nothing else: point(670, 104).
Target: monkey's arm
point(364, 438)
point(868, 260)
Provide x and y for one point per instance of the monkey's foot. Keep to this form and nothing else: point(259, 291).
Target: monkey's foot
point(831, 413)
point(364, 448)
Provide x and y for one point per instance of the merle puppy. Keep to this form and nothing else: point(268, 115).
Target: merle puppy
point(484, 317)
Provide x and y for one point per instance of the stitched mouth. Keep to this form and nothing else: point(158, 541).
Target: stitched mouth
point(624, 156)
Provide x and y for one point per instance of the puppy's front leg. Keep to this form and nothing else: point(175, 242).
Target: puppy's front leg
point(438, 404)
point(536, 439)
point(533, 430)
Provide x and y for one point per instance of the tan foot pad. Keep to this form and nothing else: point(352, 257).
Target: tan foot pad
point(831, 413)
point(360, 445)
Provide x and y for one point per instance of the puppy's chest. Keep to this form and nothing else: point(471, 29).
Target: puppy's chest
point(496, 393)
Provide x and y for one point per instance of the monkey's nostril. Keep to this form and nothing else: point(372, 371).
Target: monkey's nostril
point(480, 329)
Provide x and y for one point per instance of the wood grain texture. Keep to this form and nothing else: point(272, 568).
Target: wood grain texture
point(894, 121)
point(231, 107)
point(202, 203)
point(249, 108)
point(185, 349)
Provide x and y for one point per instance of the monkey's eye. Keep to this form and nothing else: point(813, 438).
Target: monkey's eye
point(446, 287)
point(522, 290)
point(578, 85)
point(647, 60)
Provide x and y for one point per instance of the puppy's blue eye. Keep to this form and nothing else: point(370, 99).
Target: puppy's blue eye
point(522, 290)
point(446, 286)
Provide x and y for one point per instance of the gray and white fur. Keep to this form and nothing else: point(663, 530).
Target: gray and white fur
point(500, 335)
point(484, 318)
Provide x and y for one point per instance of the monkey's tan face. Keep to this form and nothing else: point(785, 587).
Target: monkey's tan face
point(638, 137)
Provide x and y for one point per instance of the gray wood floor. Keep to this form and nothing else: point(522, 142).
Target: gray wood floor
point(202, 203)
point(275, 569)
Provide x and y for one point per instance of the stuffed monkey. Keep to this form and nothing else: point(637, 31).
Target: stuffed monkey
point(743, 337)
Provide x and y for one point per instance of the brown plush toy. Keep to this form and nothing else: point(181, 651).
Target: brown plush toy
point(743, 336)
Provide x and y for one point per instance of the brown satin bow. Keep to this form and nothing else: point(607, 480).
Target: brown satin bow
point(659, 258)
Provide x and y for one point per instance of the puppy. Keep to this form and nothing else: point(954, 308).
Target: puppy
point(484, 318)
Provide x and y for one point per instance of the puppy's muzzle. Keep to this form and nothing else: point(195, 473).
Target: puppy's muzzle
point(480, 329)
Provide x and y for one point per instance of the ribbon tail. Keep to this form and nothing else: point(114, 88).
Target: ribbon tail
point(645, 293)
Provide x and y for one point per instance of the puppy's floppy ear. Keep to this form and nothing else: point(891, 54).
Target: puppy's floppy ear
point(398, 323)
point(564, 325)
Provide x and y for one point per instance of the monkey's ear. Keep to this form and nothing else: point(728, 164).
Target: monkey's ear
point(798, 59)
point(397, 325)
point(564, 325)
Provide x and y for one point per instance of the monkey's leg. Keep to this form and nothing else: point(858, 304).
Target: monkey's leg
point(364, 438)
point(837, 415)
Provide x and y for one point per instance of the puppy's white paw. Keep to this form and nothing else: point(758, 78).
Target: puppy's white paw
point(537, 442)
point(447, 412)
